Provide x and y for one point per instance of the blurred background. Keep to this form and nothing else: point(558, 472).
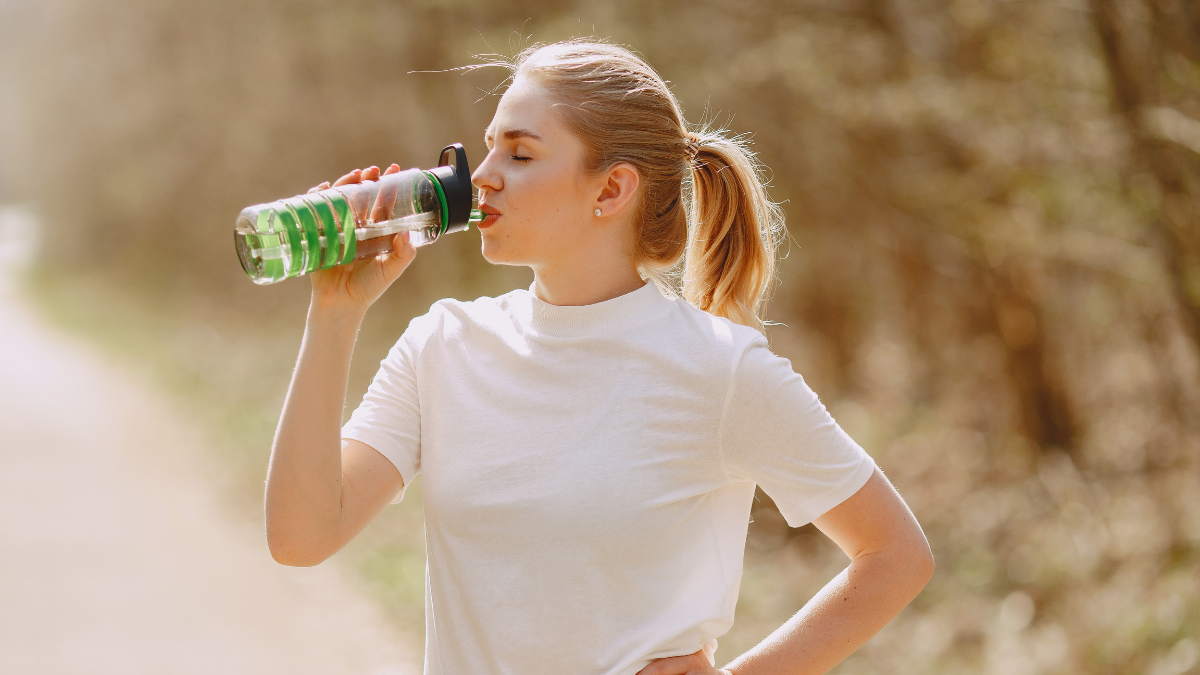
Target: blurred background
point(992, 273)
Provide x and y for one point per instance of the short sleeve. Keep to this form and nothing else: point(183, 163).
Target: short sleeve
point(389, 417)
point(776, 433)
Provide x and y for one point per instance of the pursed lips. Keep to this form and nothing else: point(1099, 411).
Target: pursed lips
point(492, 216)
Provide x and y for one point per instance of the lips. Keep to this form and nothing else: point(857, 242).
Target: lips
point(492, 216)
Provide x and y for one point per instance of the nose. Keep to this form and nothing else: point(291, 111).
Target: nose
point(486, 176)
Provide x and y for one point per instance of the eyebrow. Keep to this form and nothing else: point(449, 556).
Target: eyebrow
point(512, 134)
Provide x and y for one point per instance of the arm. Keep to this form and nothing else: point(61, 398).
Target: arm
point(890, 563)
point(322, 490)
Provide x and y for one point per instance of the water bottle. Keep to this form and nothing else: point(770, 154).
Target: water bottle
point(318, 230)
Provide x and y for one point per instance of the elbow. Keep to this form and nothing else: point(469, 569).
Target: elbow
point(918, 556)
point(293, 558)
point(293, 552)
point(927, 566)
point(921, 564)
point(912, 564)
point(296, 539)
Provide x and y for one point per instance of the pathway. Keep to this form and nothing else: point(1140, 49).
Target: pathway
point(117, 557)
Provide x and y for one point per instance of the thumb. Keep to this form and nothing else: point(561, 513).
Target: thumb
point(403, 253)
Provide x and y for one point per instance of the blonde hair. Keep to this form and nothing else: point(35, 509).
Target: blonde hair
point(702, 194)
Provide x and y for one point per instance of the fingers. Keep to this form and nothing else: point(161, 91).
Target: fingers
point(690, 664)
point(360, 200)
point(354, 176)
point(358, 176)
point(318, 188)
point(673, 666)
point(385, 201)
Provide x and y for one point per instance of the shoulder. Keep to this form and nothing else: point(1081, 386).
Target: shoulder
point(715, 332)
point(451, 319)
point(483, 308)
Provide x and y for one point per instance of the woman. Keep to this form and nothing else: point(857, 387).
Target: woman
point(591, 445)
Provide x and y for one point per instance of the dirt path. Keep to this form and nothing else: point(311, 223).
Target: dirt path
point(116, 557)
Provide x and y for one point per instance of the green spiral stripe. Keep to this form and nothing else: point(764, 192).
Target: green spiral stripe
point(272, 268)
point(329, 229)
point(291, 230)
point(308, 227)
point(441, 200)
point(341, 210)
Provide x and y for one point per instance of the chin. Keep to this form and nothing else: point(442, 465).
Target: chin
point(512, 248)
point(496, 253)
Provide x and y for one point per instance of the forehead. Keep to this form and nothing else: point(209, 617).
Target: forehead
point(524, 109)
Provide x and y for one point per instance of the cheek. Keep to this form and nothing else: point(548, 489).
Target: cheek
point(551, 193)
point(539, 205)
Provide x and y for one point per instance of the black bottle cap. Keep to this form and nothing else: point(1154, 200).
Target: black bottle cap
point(454, 174)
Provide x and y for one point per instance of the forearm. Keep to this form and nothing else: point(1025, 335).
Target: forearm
point(851, 608)
point(304, 480)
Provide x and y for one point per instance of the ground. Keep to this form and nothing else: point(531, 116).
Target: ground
point(118, 554)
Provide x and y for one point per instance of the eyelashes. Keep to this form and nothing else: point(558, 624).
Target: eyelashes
point(518, 158)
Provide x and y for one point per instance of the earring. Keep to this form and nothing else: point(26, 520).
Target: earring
point(597, 212)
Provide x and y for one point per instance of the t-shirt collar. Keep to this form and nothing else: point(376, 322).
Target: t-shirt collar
point(578, 320)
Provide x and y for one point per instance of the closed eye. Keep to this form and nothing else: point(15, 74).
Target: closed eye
point(519, 158)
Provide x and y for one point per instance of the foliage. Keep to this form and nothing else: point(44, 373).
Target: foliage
point(993, 276)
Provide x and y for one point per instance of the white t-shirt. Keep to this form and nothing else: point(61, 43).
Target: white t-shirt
point(589, 473)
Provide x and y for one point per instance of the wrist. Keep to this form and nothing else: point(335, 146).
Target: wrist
point(335, 324)
point(338, 313)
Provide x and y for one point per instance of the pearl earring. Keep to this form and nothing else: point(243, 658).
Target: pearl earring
point(597, 212)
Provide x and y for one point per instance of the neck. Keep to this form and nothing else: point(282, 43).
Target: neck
point(585, 284)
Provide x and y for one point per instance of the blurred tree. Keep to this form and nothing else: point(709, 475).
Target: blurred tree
point(992, 277)
point(1151, 48)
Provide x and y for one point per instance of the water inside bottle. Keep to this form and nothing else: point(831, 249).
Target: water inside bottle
point(319, 230)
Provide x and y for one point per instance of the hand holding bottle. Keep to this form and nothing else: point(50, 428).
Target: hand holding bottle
point(354, 223)
point(359, 284)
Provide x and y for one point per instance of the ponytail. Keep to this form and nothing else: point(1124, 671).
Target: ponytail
point(730, 258)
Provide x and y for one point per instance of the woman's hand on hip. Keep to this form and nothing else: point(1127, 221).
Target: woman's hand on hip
point(360, 283)
point(692, 664)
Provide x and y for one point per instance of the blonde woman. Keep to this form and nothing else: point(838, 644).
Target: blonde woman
point(591, 445)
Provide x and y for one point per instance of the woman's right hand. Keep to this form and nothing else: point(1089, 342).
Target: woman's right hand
point(358, 284)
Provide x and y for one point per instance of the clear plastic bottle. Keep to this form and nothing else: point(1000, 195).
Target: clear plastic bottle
point(318, 230)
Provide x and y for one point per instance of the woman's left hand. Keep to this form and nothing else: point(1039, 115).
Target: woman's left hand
point(692, 664)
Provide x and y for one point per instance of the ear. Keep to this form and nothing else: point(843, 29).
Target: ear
point(617, 188)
